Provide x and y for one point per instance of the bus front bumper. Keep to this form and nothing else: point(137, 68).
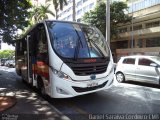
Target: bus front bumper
point(69, 88)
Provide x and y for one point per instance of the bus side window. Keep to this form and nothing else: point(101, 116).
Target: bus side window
point(42, 44)
point(42, 40)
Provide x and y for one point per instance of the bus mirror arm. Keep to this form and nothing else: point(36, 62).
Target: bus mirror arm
point(46, 61)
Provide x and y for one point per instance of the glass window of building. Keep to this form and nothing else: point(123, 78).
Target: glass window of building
point(142, 4)
point(69, 1)
point(137, 27)
point(69, 9)
point(153, 24)
point(79, 20)
point(70, 16)
point(85, 1)
point(79, 12)
point(140, 43)
point(85, 9)
point(91, 5)
point(60, 15)
point(122, 44)
point(122, 30)
point(79, 3)
point(153, 42)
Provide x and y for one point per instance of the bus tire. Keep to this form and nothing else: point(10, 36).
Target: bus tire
point(41, 88)
point(23, 80)
point(19, 72)
point(31, 83)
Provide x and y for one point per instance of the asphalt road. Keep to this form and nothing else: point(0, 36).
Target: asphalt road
point(122, 99)
point(127, 101)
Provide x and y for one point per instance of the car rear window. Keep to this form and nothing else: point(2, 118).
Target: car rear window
point(129, 61)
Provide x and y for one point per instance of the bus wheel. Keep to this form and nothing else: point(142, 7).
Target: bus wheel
point(31, 83)
point(41, 87)
point(23, 80)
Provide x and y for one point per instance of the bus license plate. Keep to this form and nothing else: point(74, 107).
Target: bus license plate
point(92, 84)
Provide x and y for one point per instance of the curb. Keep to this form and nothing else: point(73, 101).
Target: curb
point(64, 117)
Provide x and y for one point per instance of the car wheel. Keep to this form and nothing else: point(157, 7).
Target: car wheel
point(120, 77)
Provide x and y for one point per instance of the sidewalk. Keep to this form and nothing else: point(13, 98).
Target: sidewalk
point(24, 103)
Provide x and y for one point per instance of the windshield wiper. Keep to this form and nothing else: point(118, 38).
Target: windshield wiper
point(77, 45)
point(97, 48)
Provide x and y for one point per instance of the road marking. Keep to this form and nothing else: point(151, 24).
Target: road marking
point(77, 109)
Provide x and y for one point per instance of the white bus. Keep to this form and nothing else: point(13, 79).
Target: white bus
point(64, 59)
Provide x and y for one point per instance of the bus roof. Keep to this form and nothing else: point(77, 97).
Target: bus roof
point(67, 22)
point(72, 22)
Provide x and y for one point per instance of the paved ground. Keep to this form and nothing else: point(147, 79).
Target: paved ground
point(123, 99)
point(128, 99)
point(29, 106)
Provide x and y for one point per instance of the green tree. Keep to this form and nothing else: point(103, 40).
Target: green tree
point(40, 13)
point(14, 15)
point(34, 14)
point(7, 54)
point(58, 5)
point(97, 17)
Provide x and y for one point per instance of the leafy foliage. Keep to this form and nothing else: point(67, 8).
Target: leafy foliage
point(13, 16)
point(97, 17)
point(58, 5)
point(7, 54)
point(40, 13)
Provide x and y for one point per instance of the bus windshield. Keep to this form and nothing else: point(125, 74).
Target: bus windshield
point(72, 40)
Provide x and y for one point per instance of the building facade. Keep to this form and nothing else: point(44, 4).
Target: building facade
point(82, 6)
point(142, 34)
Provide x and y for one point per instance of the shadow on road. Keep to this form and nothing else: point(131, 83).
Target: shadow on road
point(30, 105)
point(143, 84)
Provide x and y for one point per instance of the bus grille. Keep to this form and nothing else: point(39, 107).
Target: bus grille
point(78, 89)
point(88, 69)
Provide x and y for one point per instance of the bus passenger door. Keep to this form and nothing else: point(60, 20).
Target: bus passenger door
point(27, 69)
point(42, 58)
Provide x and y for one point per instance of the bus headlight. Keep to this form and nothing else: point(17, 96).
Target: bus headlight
point(60, 74)
point(63, 76)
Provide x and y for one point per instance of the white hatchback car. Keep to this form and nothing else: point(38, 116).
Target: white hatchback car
point(139, 68)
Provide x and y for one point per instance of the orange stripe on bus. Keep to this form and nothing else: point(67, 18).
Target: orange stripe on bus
point(41, 69)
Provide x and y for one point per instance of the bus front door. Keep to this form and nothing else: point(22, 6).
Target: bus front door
point(27, 67)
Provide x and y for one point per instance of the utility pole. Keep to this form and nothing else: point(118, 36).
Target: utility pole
point(108, 21)
point(74, 10)
point(132, 33)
